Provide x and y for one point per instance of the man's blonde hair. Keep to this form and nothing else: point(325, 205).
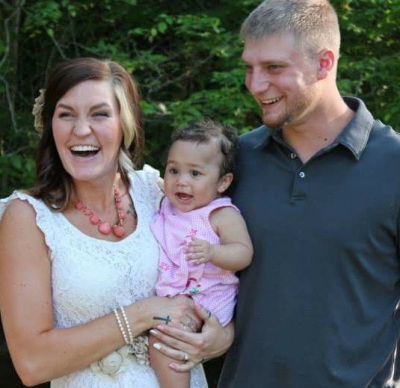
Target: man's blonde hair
point(313, 23)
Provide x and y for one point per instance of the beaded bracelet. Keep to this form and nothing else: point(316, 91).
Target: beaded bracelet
point(128, 326)
point(121, 327)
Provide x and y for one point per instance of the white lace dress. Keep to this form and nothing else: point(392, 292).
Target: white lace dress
point(91, 277)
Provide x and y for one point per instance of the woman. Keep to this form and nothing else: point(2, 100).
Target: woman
point(78, 262)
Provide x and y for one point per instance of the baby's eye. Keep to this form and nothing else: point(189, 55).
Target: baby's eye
point(195, 173)
point(173, 171)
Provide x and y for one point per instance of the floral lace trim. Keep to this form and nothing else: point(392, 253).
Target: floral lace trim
point(116, 362)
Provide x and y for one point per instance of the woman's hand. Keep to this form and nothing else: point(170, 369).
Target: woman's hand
point(194, 348)
point(178, 312)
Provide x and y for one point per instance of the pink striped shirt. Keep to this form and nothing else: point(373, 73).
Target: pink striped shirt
point(212, 287)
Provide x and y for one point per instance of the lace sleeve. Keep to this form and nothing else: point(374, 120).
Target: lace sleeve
point(153, 185)
point(3, 205)
point(4, 202)
point(43, 215)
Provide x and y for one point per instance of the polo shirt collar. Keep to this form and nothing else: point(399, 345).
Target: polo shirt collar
point(356, 133)
point(354, 136)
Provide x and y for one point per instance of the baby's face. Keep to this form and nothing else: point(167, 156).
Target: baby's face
point(192, 176)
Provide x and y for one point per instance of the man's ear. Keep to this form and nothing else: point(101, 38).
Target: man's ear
point(326, 62)
point(224, 182)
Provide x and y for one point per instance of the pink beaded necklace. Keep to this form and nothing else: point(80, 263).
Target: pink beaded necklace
point(105, 227)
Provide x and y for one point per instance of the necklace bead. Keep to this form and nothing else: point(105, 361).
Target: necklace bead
point(105, 227)
point(93, 219)
point(118, 231)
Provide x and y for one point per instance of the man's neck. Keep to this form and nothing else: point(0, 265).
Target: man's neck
point(309, 138)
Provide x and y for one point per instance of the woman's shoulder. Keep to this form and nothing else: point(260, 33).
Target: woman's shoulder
point(24, 207)
point(17, 214)
point(147, 173)
point(149, 178)
point(18, 203)
point(21, 210)
point(146, 185)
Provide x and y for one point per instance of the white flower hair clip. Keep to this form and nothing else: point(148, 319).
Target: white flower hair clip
point(37, 111)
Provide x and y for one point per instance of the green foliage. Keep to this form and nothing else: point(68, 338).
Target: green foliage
point(16, 170)
point(369, 66)
point(185, 56)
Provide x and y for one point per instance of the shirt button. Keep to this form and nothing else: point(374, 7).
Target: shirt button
point(293, 155)
point(302, 174)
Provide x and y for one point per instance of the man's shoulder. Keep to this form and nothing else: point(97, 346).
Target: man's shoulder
point(255, 137)
point(364, 119)
point(385, 135)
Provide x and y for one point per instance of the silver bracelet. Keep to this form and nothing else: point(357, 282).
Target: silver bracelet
point(121, 327)
point(128, 326)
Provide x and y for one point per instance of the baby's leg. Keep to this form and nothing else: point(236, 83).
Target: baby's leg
point(167, 377)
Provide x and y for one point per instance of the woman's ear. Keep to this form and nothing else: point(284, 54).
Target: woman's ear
point(224, 182)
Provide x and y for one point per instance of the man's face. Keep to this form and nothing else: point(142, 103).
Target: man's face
point(281, 79)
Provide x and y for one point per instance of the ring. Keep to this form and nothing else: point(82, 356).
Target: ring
point(185, 327)
point(185, 357)
point(191, 325)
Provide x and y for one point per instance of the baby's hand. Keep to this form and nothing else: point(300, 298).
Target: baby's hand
point(199, 251)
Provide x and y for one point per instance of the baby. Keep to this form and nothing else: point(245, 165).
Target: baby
point(202, 236)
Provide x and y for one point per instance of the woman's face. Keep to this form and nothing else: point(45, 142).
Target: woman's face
point(87, 131)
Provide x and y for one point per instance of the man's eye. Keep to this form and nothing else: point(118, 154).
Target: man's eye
point(275, 67)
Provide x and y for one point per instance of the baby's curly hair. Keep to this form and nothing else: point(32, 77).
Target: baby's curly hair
point(203, 131)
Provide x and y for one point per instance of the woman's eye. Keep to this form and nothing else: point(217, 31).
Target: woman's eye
point(102, 114)
point(64, 115)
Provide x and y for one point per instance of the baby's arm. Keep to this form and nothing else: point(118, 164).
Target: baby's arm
point(235, 250)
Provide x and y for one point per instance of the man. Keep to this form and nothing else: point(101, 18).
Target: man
point(319, 187)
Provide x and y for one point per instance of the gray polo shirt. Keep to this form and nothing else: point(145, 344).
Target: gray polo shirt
point(316, 308)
